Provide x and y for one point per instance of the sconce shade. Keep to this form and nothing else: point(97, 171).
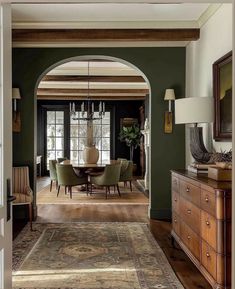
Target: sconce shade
point(194, 110)
point(16, 93)
point(169, 94)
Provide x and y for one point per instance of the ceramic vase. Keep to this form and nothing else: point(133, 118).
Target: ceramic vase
point(90, 155)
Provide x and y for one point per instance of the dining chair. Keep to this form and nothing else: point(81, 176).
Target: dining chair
point(52, 173)
point(126, 174)
point(67, 177)
point(21, 190)
point(110, 177)
point(60, 160)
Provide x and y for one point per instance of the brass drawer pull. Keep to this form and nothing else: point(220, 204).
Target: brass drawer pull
point(189, 237)
point(207, 255)
point(207, 223)
point(189, 211)
point(175, 220)
point(176, 200)
point(206, 199)
point(187, 190)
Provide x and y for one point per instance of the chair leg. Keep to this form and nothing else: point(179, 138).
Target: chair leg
point(106, 192)
point(56, 184)
point(70, 190)
point(31, 216)
point(51, 186)
point(118, 190)
point(58, 191)
point(130, 186)
point(87, 189)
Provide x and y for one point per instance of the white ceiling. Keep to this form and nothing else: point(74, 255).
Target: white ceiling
point(107, 12)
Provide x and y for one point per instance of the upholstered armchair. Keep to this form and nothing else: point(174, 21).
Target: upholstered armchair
point(67, 177)
point(21, 189)
point(126, 174)
point(110, 177)
point(52, 172)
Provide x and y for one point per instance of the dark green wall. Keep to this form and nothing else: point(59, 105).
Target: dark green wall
point(163, 67)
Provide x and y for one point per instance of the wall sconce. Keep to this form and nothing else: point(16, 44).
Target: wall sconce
point(169, 96)
point(15, 95)
point(16, 123)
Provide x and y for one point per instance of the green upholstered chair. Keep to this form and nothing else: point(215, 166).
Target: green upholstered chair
point(67, 177)
point(110, 177)
point(60, 160)
point(52, 172)
point(126, 174)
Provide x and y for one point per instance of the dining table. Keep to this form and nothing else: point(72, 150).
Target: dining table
point(84, 166)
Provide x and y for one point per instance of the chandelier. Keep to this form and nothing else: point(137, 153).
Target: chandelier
point(88, 108)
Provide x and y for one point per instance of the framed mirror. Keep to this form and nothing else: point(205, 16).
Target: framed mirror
point(222, 90)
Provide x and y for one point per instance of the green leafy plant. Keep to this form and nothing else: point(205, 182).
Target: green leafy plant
point(131, 136)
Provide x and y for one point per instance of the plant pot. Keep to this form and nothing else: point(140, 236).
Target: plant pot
point(90, 155)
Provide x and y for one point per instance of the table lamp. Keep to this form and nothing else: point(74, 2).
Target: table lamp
point(194, 110)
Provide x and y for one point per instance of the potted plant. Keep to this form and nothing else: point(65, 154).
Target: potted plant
point(131, 136)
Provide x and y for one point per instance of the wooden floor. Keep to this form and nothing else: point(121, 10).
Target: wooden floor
point(188, 274)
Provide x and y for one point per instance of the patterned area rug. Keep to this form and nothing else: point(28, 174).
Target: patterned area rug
point(90, 256)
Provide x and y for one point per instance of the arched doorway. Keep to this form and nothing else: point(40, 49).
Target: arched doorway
point(49, 89)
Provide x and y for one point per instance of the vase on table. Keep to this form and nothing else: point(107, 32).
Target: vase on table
point(90, 155)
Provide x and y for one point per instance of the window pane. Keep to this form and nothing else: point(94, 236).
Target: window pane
point(82, 130)
point(59, 154)
point(105, 131)
point(51, 130)
point(51, 155)
point(106, 144)
point(50, 117)
point(51, 143)
point(59, 130)
point(106, 118)
point(73, 130)
point(59, 143)
point(74, 155)
point(60, 117)
point(97, 131)
point(72, 120)
point(81, 143)
point(80, 157)
point(105, 156)
point(74, 144)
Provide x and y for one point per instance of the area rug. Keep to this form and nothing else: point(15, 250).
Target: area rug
point(98, 197)
point(90, 256)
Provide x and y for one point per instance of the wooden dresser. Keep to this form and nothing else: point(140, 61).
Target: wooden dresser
point(201, 224)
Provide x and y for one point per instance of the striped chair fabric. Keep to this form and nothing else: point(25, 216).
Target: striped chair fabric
point(20, 186)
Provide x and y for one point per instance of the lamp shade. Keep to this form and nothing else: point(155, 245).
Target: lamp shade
point(194, 110)
point(169, 94)
point(16, 93)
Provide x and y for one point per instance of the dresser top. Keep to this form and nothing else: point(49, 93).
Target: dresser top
point(204, 180)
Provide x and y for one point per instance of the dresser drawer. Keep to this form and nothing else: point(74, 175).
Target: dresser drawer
point(175, 184)
point(190, 214)
point(208, 229)
point(209, 259)
point(175, 201)
point(190, 239)
point(190, 192)
point(176, 223)
point(208, 202)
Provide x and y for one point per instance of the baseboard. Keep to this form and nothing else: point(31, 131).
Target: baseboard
point(160, 214)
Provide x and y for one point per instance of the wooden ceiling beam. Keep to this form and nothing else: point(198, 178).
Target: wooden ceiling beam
point(95, 97)
point(93, 78)
point(85, 91)
point(87, 35)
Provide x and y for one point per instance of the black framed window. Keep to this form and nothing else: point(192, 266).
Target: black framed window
point(101, 137)
point(54, 135)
